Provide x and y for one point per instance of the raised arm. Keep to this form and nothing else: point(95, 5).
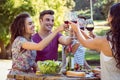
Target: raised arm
point(85, 35)
point(89, 43)
point(42, 44)
point(66, 40)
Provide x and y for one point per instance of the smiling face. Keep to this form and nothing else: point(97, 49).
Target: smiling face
point(29, 26)
point(47, 22)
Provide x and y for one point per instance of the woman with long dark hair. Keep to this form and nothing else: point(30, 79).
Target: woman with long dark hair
point(109, 45)
point(23, 56)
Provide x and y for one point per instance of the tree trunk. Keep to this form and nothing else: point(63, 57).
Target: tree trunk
point(8, 51)
point(2, 50)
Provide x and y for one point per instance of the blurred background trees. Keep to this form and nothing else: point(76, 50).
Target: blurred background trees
point(100, 8)
point(10, 8)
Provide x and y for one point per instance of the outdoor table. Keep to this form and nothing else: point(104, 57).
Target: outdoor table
point(48, 77)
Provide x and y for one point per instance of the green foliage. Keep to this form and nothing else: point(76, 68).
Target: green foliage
point(85, 13)
point(82, 5)
point(92, 55)
point(4, 21)
point(100, 8)
point(10, 8)
point(101, 27)
point(101, 32)
point(58, 6)
point(69, 4)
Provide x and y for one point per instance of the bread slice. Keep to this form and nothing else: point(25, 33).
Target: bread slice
point(75, 74)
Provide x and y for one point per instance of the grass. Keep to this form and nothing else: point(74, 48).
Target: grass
point(92, 58)
point(92, 55)
point(100, 22)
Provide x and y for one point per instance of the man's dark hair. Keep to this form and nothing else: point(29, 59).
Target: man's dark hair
point(51, 12)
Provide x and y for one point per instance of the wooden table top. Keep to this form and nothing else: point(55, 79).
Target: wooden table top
point(48, 77)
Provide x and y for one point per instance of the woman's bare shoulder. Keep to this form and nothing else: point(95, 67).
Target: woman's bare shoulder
point(100, 42)
point(104, 46)
point(101, 38)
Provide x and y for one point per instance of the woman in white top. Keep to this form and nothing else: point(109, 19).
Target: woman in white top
point(109, 45)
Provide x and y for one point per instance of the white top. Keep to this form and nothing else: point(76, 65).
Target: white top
point(109, 71)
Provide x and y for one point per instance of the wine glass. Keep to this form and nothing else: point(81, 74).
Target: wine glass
point(67, 17)
point(74, 17)
point(90, 25)
point(82, 23)
point(70, 16)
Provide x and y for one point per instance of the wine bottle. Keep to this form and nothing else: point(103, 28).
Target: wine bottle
point(70, 65)
point(69, 62)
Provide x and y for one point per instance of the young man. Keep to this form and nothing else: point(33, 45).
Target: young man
point(50, 52)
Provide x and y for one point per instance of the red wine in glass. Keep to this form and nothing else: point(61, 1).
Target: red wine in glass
point(82, 28)
point(66, 22)
point(90, 28)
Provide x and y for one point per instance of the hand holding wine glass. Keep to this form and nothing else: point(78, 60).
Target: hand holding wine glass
point(67, 18)
point(70, 16)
